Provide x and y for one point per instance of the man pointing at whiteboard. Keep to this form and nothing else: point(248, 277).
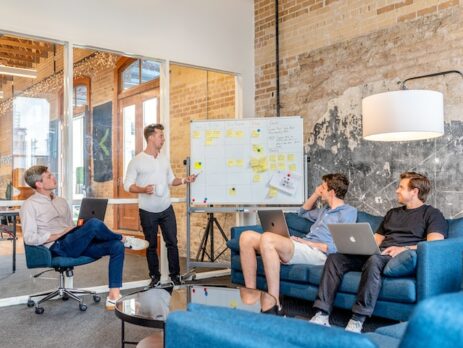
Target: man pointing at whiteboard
point(150, 174)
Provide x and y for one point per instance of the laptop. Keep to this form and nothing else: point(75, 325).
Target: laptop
point(354, 239)
point(273, 221)
point(92, 208)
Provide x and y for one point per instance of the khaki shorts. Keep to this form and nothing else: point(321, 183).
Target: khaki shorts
point(305, 254)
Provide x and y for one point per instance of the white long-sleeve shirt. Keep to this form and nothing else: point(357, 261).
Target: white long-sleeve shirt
point(144, 170)
point(42, 216)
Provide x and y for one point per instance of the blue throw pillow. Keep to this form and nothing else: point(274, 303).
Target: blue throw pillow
point(402, 265)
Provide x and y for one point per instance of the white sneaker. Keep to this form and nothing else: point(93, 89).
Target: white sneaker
point(135, 243)
point(321, 319)
point(354, 326)
point(111, 304)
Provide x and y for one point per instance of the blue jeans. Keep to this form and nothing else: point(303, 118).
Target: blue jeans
point(94, 239)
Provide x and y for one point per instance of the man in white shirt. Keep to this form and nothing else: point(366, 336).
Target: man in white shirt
point(149, 174)
point(47, 220)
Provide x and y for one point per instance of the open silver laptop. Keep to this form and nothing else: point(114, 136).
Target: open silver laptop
point(273, 221)
point(355, 239)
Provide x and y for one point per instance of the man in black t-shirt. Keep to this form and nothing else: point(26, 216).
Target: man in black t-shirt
point(401, 229)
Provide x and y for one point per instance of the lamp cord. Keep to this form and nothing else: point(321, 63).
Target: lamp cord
point(402, 85)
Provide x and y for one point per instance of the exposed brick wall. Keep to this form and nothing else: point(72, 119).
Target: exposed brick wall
point(196, 94)
point(307, 25)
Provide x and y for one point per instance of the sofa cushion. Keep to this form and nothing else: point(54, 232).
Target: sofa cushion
point(455, 228)
point(373, 220)
point(234, 245)
point(402, 265)
point(297, 225)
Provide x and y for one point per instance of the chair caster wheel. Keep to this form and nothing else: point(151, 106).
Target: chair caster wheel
point(39, 310)
point(96, 298)
point(65, 297)
point(30, 303)
point(82, 307)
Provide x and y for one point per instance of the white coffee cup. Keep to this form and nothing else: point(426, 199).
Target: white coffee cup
point(160, 188)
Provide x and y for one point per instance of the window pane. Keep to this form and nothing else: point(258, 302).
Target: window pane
point(149, 70)
point(150, 113)
point(80, 96)
point(131, 75)
point(31, 136)
point(129, 135)
point(78, 157)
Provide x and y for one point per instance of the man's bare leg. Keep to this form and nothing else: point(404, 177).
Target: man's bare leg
point(249, 245)
point(275, 249)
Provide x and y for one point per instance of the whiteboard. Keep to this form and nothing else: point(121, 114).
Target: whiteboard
point(247, 161)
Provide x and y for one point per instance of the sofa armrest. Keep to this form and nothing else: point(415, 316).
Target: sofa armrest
point(439, 267)
point(287, 331)
point(37, 256)
point(237, 230)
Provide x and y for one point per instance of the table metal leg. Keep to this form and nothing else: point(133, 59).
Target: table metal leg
point(14, 243)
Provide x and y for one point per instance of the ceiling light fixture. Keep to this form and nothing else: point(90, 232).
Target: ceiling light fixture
point(21, 72)
point(405, 114)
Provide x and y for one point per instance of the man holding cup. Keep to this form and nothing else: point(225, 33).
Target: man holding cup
point(150, 174)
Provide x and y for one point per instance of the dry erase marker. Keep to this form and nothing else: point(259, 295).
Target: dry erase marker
point(196, 175)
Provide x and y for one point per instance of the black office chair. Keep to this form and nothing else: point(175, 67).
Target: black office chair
point(40, 257)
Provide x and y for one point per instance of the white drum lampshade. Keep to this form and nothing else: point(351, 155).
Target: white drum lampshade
point(403, 115)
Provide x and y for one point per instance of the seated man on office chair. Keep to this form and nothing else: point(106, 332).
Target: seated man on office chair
point(401, 229)
point(312, 249)
point(47, 220)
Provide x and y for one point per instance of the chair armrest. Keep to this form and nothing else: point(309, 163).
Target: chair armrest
point(237, 230)
point(37, 256)
point(439, 267)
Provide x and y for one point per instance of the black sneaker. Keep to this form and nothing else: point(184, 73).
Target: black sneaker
point(155, 281)
point(176, 280)
point(275, 310)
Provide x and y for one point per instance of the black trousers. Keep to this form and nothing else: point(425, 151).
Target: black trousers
point(370, 282)
point(168, 223)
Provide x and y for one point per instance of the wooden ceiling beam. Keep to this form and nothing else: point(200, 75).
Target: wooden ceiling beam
point(15, 63)
point(37, 45)
point(24, 51)
point(24, 59)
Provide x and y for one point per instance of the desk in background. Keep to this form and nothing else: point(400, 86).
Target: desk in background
point(14, 214)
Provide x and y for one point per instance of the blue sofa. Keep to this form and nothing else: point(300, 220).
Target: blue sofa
point(438, 271)
point(436, 322)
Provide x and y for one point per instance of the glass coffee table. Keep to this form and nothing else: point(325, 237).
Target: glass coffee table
point(151, 307)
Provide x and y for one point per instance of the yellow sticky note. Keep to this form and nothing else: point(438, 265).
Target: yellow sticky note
point(232, 191)
point(281, 166)
point(231, 163)
point(208, 141)
point(233, 304)
point(281, 158)
point(254, 162)
point(217, 134)
point(291, 157)
point(273, 158)
point(239, 134)
point(255, 134)
point(230, 133)
point(256, 178)
point(196, 134)
point(198, 165)
point(239, 163)
point(292, 167)
point(273, 166)
point(209, 134)
point(272, 192)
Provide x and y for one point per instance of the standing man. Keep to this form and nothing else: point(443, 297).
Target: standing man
point(402, 229)
point(47, 220)
point(312, 249)
point(149, 174)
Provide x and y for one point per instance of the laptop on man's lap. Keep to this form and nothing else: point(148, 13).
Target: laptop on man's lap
point(273, 221)
point(92, 208)
point(354, 239)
